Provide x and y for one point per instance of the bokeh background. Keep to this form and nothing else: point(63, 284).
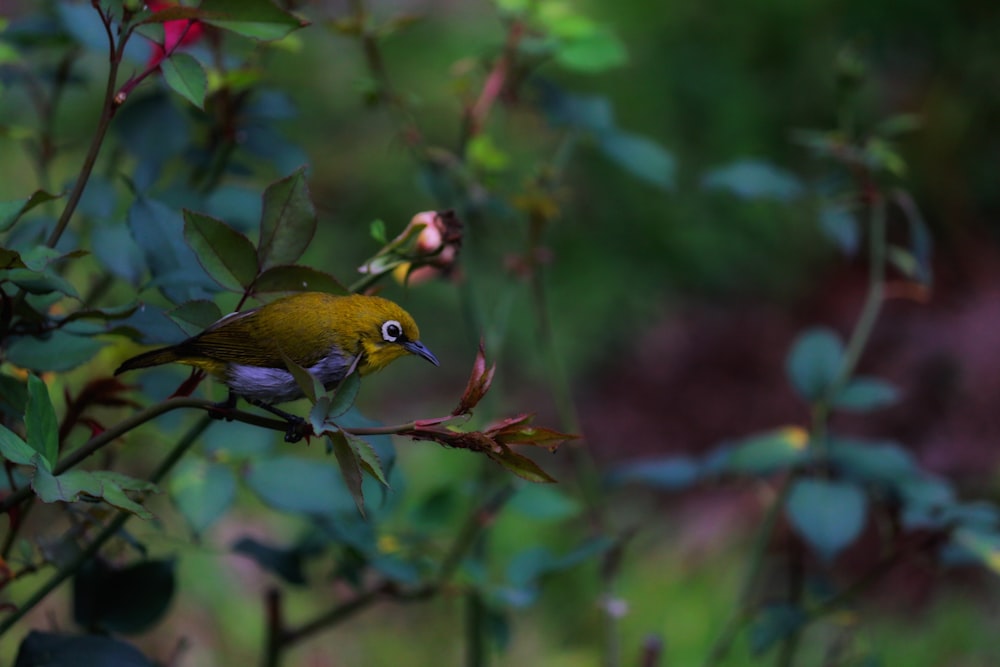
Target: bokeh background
point(672, 307)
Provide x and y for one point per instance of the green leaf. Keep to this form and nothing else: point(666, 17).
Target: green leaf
point(226, 255)
point(377, 231)
point(814, 362)
point(126, 600)
point(187, 77)
point(921, 243)
point(883, 463)
point(765, 453)
point(308, 383)
point(202, 491)
point(61, 351)
point(774, 623)
point(828, 515)
point(60, 650)
point(71, 486)
point(368, 458)
point(350, 466)
point(839, 224)
point(984, 545)
point(195, 316)
point(640, 156)
point(520, 465)
point(16, 450)
point(257, 19)
point(288, 221)
point(482, 152)
point(670, 474)
point(11, 211)
point(597, 51)
point(40, 423)
point(39, 282)
point(305, 486)
point(290, 278)
point(544, 503)
point(754, 179)
point(345, 395)
point(865, 394)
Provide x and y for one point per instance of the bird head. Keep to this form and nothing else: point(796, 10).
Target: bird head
point(387, 332)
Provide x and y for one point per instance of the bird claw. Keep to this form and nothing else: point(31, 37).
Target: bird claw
point(298, 428)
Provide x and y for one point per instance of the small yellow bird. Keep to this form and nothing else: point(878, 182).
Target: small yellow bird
point(325, 334)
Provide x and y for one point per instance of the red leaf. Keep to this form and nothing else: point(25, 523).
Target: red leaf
point(479, 383)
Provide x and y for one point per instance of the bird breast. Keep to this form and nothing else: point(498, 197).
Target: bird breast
point(276, 385)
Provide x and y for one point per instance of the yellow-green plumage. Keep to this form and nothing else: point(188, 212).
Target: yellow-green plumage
point(320, 332)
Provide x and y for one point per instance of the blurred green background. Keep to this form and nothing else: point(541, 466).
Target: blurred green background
point(672, 308)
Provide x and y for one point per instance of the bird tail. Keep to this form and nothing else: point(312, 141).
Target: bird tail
point(164, 355)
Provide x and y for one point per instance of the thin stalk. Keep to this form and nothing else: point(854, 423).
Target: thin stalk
point(474, 623)
point(108, 532)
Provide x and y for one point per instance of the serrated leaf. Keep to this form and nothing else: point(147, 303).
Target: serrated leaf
point(257, 19)
point(203, 491)
point(40, 423)
point(226, 255)
point(292, 278)
point(288, 221)
point(828, 515)
point(345, 395)
point(185, 75)
point(350, 466)
point(866, 394)
point(368, 458)
point(16, 450)
point(308, 383)
point(814, 362)
point(520, 465)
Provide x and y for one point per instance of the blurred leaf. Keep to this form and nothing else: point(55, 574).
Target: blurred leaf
point(765, 453)
point(828, 515)
point(84, 25)
point(350, 466)
point(884, 463)
point(482, 152)
point(288, 221)
point(921, 243)
point(597, 51)
point(983, 545)
point(774, 623)
point(153, 130)
point(11, 211)
point(894, 126)
point(58, 650)
point(926, 501)
point(866, 394)
point(544, 503)
point(641, 156)
point(590, 113)
point(814, 362)
point(45, 281)
point(16, 450)
point(202, 491)
point(286, 563)
point(377, 231)
point(61, 351)
point(128, 600)
point(150, 325)
point(754, 179)
point(117, 251)
point(289, 278)
point(669, 474)
point(158, 230)
point(880, 155)
point(305, 486)
point(839, 224)
point(186, 77)
point(258, 19)
point(226, 255)
point(239, 206)
point(195, 316)
point(40, 424)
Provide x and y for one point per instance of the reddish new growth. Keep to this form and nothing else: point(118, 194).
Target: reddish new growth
point(175, 33)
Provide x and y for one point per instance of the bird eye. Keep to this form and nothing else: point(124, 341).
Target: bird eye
point(391, 331)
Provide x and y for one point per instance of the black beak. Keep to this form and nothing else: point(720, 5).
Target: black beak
point(418, 348)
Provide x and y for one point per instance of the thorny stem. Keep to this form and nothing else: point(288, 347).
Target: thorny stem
point(108, 532)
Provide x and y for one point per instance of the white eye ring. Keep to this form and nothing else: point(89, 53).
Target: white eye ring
point(391, 330)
